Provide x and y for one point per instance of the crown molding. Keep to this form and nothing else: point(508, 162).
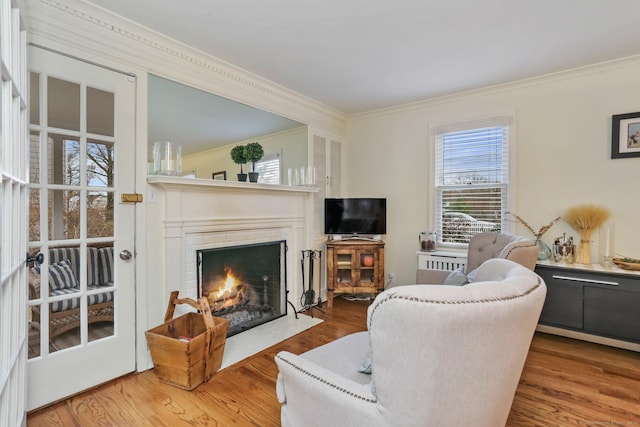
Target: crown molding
point(102, 36)
point(504, 87)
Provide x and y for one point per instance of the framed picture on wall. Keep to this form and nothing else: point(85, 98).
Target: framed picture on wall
point(222, 175)
point(625, 135)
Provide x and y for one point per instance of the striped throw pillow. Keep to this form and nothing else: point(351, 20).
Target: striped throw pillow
point(61, 276)
point(93, 269)
point(105, 263)
point(71, 254)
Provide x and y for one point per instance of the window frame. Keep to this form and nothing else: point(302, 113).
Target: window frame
point(275, 158)
point(506, 120)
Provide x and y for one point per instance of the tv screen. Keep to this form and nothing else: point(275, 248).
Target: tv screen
point(355, 216)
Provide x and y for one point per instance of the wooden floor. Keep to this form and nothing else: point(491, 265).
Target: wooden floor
point(564, 383)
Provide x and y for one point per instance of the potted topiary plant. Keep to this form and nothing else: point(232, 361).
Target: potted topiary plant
point(253, 153)
point(239, 157)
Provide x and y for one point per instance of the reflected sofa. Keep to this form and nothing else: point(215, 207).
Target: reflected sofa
point(64, 280)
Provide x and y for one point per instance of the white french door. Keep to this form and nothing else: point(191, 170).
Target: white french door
point(81, 298)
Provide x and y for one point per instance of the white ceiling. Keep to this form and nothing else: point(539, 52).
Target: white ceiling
point(360, 55)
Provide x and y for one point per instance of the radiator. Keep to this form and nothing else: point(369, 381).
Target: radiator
point(440, 261)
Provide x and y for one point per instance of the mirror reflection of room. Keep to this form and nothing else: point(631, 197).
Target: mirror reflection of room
point(208, 126)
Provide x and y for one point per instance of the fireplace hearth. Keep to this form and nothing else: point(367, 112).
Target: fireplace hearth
point(245, 284)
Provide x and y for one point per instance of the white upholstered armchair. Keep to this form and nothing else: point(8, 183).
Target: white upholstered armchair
point(484, 246)
point(439, 356)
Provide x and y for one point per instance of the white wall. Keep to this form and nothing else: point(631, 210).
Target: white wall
point(562, 156)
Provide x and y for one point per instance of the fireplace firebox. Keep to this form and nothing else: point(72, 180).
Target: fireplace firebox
point(245, 284)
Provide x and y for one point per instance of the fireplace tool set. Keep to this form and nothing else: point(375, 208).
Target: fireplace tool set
point(308, 299)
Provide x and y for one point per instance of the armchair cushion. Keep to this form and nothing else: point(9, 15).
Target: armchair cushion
point(456, 278)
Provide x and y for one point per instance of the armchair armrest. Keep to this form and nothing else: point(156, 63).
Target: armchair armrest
point(34, 284)
point(313, 395)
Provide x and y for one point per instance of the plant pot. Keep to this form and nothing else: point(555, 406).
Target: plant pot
point(253, 176)
point(242, 177)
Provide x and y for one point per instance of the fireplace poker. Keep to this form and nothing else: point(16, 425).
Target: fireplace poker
point(308, 296)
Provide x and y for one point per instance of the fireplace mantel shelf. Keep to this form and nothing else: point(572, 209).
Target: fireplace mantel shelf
point(177, 183)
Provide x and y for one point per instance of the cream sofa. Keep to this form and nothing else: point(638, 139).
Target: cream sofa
point(439, 356)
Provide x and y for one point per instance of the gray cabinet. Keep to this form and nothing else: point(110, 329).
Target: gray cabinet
point(606, 304)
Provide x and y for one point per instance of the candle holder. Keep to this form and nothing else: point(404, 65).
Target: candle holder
point(606, 247)
point(167, 158)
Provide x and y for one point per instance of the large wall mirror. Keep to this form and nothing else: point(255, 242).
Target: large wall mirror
point(208, 126)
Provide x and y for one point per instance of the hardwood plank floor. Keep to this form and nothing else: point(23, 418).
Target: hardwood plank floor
point(564, 383)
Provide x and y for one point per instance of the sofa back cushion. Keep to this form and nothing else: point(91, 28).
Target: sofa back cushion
point(434, 348)
point(93, 268)
point(105, 256)
point(98, 273)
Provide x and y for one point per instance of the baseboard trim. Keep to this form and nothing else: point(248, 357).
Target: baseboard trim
point(588, 337)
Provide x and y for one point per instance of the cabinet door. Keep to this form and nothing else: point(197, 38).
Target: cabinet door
point(345, 265)
point(612, 313)
point(327, 160)
point(367, 267)
point(335, 169)
point(563, 304)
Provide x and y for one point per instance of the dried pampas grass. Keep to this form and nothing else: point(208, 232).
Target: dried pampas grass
point(585, 219)
point(542, 229)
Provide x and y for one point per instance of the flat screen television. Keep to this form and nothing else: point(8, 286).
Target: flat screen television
point(355, 216)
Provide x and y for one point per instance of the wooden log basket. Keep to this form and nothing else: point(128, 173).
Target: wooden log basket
point(187, 350)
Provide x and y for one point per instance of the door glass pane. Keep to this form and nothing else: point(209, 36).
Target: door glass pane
point(100, 108)
point(34, 215)
point(64, 324)
point(34, 331)
point(100, 315)
point(34, 157)
point(64, 159)
point(63, 104)
point(100, 213)
point(34, 99)
point(64, 214)
point(100, 163)
point(35, 286)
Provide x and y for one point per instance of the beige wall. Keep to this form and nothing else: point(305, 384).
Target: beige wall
point(562, 148)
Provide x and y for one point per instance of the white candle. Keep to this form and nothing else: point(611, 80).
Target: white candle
point(606, 244)
point(168, 165)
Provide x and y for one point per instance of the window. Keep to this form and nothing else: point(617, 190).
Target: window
point(472, 177)
point(269, 169)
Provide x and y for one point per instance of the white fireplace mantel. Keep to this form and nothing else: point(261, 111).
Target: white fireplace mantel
point(177, 183)
point(194, 214)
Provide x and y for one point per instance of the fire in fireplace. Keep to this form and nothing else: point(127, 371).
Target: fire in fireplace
point(245, 284)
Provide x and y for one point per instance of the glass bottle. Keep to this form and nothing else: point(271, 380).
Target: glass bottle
point(427, 241)
point(544, 251)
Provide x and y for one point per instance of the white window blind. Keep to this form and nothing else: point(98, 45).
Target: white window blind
point(472, 177)
point(269, 169)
